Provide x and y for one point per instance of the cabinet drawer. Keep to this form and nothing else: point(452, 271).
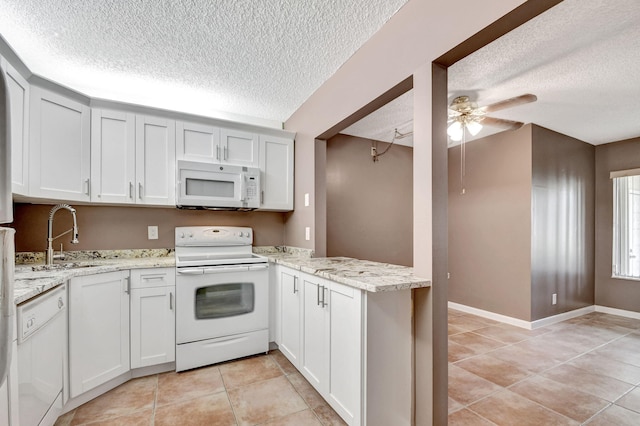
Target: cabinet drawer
point(343, 289)
point(153, 277)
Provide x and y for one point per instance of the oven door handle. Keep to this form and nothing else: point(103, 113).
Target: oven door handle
point(190, 271)
point(225, 269)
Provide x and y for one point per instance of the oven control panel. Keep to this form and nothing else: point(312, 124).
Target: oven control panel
point(213, 236)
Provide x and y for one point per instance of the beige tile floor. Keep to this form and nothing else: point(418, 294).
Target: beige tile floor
point(261, 390)
point(584, 371)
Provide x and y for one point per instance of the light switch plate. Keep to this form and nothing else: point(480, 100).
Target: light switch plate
point(307, 233)
point(306, 199)
point(152, 232)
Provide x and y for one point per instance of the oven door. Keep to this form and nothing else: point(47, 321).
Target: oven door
point(221, 301)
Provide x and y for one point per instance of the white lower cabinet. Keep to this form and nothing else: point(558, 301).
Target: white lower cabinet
point(153, 332)
point(98, 329)
point(289, 316)
point(331, 343)
point(354, 346)
point(315, 332)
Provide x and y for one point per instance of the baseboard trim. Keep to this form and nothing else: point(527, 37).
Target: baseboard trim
point(562, 317)
point(490, 315)
point(616, 311)
point(529, 325)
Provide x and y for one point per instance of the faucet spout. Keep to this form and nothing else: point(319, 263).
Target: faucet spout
point(50, 238)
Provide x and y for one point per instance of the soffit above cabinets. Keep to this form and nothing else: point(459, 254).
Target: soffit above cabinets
point(255, 62)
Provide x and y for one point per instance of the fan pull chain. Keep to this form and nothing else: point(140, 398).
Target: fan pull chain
point(462, 160)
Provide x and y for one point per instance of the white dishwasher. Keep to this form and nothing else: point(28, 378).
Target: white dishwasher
point(41, 340)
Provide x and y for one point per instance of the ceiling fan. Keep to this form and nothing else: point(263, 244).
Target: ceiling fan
point(463, 113)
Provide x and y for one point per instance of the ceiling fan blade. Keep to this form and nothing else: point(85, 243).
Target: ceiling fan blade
point(501, 122)
point(511, 102)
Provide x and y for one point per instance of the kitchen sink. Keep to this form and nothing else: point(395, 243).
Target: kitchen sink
point(62, 266)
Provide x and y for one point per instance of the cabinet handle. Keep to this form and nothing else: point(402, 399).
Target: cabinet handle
point(225, 153)
point(88, 191)
point(324, 299)
point(295, 288)
point(153, 277)
point(318, 294)
point(131, 190)
point(128, 286)
point(140, 190)
point(261, 197)
point(171, 301)
point(217, 152)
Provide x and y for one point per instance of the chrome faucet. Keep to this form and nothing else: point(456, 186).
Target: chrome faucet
point(74, 230)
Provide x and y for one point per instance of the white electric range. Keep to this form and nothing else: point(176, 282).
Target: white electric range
point(222, 296)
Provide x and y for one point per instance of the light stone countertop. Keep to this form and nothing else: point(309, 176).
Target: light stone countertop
point(29, 283)
point(361, 274)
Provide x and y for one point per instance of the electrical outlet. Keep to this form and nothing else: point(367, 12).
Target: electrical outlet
point(554, 298)
point(152, 232)
point(307, 233)
point(374, 151)
point(306, 199)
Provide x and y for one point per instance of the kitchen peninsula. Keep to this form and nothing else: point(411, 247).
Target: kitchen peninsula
point(345, 324)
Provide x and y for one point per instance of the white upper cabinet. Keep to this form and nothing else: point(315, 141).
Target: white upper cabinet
point(276, 168)
point(60, 144)
point(210, 144)
point(239, 148)
point(18, 93)
point(197, 142)
point(113, 154)
point(155, 160)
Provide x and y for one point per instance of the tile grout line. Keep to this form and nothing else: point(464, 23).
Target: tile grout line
point(534, 374)
point(226, 392)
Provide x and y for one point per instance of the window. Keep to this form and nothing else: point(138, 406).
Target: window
point(626, 224)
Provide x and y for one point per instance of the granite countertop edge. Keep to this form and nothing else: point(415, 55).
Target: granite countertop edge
point(362, 274)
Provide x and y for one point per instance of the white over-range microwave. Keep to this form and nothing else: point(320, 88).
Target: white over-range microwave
point(217, 186)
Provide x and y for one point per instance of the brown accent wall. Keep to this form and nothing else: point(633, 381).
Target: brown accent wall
point(369, 205)
point(490, 224)
point(524, 229)
point(110, 228)
point(612, 292)
point(563, 197)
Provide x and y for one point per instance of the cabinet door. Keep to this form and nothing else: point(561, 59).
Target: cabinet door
point(98, 329)
point(18, 94)
point(152, 326)
point(155, 160)
point(113, 153)
point(239, 148)
point(197, 142)
point(315, 333)
point(345, 343)
point(60, 146)
point(290, 298)
point(276, 168)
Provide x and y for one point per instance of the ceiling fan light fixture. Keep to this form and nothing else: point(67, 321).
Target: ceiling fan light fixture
point(455, 131)
point(474, 127)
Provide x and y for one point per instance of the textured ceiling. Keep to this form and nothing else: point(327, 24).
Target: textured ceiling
point(381, 124)
point(256, 61)
point(581, 58)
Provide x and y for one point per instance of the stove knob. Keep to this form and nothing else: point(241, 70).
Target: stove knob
point(241, 234)
point(182, 235)
point(191, 235)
